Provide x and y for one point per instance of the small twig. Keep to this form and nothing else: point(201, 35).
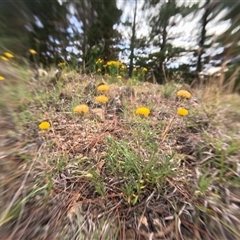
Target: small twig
point(185, 193)
point(159, 234)
point(199, 229)
point(167, 129)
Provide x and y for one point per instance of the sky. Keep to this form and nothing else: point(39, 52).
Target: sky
point(187, 29)
point(185, 40)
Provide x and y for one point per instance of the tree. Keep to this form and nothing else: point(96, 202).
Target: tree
point(81, 15)
point(41, 25)
point(211, 10)
point(13, 33)
point(102, 32)
point(160, 38)
point(48, 31)
point(95, 37)
point(229, 40)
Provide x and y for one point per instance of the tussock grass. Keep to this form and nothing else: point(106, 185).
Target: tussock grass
point(110, 174)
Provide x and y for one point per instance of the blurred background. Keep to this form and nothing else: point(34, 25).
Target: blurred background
point(180, 40)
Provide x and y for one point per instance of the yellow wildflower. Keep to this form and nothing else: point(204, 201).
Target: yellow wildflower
point(82, 108)
point(99, 61)
point(9, 55)
point(114, 63)
point(184, 94)
point(44, 125)
point(144, 69)
point(119, 77)
point(89, 175)
point(99, 70)
point(103, 88)
point(32, 51)
point(1, 78)
point(61, 64)
point(134, 69)
point(4, 58)
point(143, 111)
point(182, 112)
point(101, 99)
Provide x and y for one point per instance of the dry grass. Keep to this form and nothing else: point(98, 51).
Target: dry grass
point(113, 175)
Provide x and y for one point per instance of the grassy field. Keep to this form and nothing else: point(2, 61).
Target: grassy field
point(110, 173)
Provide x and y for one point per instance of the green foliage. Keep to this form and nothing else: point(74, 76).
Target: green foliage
point(203, 184)
point(91, 58)
point(13, 35)
point(13, 210)
point(101, 35)
point(49, 31)
point(169, 89)
point(219, 162)
point(39, 25)
point(136, 171)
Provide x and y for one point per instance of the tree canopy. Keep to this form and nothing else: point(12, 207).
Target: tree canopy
point(150, 34)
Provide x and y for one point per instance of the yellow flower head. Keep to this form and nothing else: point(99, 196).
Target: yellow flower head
point(9, 55)
point(101, 99)
point(1, 78)
point(4, 58)
point(89, 175)
point(182, 112)
point(44, 125)
point(184, 94)
point(119, 77)
point(103, 88)
point(114, 63)
point(32, 51)
point(99, 70)
point(134, 69)
point(143, 111)
point(82, 108)
point(144, 69)
point(61, 64)
point(99, 61)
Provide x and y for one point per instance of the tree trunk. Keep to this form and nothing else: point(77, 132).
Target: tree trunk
point(203, 36)
point(133, 38)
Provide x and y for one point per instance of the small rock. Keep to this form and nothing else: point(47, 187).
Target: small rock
point(99, 113)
